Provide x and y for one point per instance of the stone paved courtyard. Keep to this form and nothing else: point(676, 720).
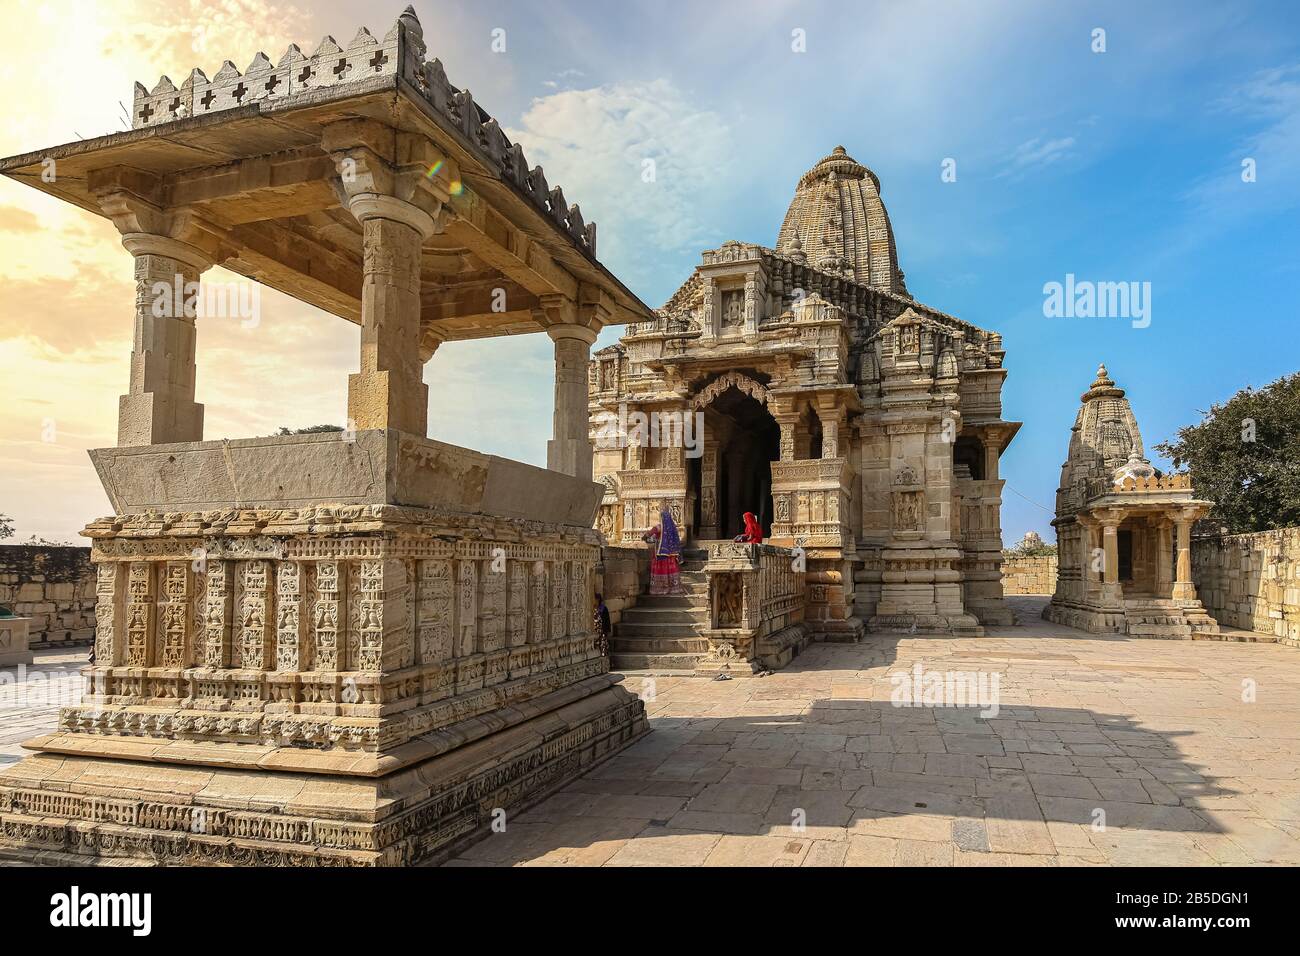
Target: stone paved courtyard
point(1154, 733)
point(32, 707)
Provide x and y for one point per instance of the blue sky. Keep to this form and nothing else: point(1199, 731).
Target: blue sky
point(1123, 165)
point(1115, 166)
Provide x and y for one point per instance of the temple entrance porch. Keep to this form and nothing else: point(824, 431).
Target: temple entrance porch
point(741, 441)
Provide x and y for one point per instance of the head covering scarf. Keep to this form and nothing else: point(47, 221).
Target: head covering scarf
point(670, 542)
point(753, 530)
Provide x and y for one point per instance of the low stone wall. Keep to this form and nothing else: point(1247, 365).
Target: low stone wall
point(1251, 581)
point(623, 575)
point(1036, 575)
point(55, 587)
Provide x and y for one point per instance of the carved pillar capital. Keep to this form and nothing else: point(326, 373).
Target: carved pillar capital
point(387, 174)
point(132, 201)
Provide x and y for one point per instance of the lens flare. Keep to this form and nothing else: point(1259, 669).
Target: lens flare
point(455, 187)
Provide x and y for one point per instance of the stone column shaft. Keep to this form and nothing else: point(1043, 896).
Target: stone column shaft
point(1164, 570)
point(159, 405)
point(1111, 544)
point(570, 451)
point(1184, 589)
point(389, 391)
point(991, 456)
point(1085, 559)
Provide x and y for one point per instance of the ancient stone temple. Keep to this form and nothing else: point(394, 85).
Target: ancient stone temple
point(854, 421)
point(1123, 530)
point(341, 648)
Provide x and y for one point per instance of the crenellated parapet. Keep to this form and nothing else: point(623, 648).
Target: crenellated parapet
point(366, 64)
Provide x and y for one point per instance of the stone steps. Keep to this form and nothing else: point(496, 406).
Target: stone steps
point(658, 645)
point(1162, 618)
point(690, 600)
point(666, 629)
point(666, 614)
point(658, 663)
point(660, 633)
point(655, 622)
point(657, 672)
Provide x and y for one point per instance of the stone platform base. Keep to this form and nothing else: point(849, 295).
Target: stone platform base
point(1092, 619)
point(963, 626)
point(848, 631)
point(998, 615)
point(1152, 618)
point(773, 652)
point(68, 809)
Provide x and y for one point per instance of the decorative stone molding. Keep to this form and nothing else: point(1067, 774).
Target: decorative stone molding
point(737, 380)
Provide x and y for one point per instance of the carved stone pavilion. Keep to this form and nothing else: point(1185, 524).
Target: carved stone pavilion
point(345, 648)
point(850, 418)
point(1123, 530)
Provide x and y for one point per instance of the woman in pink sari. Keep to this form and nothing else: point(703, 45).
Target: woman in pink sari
point(665, 555)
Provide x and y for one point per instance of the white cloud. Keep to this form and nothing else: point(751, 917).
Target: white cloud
point(1037, 153)
point(596, 143)
point(1272, 98)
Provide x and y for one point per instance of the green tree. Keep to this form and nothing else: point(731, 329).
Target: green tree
point(310, 430)
point(6, 526)
point(1245, 455)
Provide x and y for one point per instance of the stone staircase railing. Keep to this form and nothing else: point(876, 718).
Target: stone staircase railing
point(756, 608)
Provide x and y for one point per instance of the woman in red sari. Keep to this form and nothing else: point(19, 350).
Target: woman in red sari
point(753, 533)
point(665, 555)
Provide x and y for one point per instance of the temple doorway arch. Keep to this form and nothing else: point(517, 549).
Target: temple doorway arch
point(741, 440)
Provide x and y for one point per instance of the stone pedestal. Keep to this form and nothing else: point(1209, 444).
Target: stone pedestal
point(921, 592)
point(325, 683)
point(13, 642)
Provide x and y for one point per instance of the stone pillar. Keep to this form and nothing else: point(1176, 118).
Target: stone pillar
point(709, 311)
point(788, 420)
point(1184, 589)
point(1085, 560)
point(992, 453)
point(1164, 569)
point(832, 418)
point(159, 405)
point(1111, 595)
point(570, 450)
point(389, 391)
point(751, 308)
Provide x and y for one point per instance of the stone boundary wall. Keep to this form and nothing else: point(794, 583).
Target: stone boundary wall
point(55, 587)
point(623, 575)
point(1036, 575)
point(1251, 581)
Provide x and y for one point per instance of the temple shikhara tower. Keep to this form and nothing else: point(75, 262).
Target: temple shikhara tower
point(342, 648)
point(854, 421)
point(1123, 530)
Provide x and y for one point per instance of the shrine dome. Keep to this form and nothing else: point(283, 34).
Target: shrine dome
point(837, 224)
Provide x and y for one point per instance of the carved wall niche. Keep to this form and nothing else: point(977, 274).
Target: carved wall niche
point(729, 600)
point(733, 309)
point(907, 504)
